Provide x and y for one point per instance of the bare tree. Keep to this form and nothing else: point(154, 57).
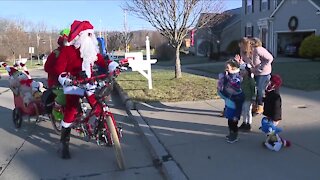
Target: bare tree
point(126, 38)
point(174, 18)
point(14, 39)
point(114, 40)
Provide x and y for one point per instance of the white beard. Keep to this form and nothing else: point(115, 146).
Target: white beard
point(88, 51)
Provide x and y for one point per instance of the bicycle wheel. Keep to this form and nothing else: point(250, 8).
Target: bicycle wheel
point(56, 124)
point(117, 146)
point(17, 117)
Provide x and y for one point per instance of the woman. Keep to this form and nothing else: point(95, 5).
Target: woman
point(245, 51)
point(261, 62)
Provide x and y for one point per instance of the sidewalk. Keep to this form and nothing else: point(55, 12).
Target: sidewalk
point(190, 136)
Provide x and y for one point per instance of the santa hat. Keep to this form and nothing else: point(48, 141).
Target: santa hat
point(10, 70)
point(286, 143)
point(275, 82)
point(19, 64)
point(77, 28)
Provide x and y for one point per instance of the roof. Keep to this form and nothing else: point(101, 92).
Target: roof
point(315, 3)
point(232, 16)
point(205, 17)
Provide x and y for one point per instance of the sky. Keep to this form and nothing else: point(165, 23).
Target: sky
point(105, 15)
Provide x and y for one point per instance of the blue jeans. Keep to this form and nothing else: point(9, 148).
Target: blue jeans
point(261, 84)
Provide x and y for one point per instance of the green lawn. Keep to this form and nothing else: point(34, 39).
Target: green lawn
point(297, 75)
point(166, 88)
point(185, 60)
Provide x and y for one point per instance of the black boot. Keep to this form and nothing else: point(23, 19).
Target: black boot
point(243, 126)
point(65, 138)
point(247, 127)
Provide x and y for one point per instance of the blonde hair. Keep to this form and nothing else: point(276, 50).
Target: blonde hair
point(246, 46)
point(256, 42)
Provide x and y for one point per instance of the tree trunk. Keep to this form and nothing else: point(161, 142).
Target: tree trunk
point(178, 73)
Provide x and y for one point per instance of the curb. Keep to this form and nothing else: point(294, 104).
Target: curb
point(161, 157)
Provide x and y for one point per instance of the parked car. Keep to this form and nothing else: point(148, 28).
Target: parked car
point(292, 49)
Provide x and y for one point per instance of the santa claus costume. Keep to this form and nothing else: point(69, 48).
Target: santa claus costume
point(53, 56)
point(79, 56)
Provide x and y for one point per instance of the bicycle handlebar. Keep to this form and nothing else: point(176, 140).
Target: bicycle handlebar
point(90, 79)
point(109, 76)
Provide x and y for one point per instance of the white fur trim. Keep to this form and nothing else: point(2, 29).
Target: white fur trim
point(62, 78)
point(112, 66)
point(74, 90)
point(8, 68)
point(77, 37)
point(277, 146)
point(65, 125)
point(90, 89)
point(1, 64)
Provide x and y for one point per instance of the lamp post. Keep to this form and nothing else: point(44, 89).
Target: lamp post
point(218, 48)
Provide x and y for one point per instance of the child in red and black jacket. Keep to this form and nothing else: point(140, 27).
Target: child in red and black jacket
point(272, 101)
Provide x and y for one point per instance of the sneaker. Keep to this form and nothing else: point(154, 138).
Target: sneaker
point(233, 138)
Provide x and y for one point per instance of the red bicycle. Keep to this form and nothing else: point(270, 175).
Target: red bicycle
point(105, 131)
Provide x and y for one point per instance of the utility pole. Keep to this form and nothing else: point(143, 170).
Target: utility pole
point(105, 36)
point(50, 41)
point(100, 33)
point(126, 30)
point(38, 39)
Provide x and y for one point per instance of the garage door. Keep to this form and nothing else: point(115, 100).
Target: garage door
point(288, 43)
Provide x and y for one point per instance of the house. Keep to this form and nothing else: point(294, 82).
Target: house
point(279, 23)
point(215, 37)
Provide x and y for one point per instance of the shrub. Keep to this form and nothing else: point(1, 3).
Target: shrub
point(165, 52)
point(310, 47)
point(233, 47)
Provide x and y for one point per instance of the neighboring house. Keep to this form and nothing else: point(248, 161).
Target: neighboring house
point(279, 23)
point(215, 37)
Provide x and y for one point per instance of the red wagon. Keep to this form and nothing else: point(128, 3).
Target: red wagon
point(33, 109)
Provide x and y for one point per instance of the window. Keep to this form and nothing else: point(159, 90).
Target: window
point(264, 32)
point(264, 5)
point(249, 6)
point(249, 30)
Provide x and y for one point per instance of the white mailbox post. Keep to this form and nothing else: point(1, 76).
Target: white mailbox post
point(137, 63)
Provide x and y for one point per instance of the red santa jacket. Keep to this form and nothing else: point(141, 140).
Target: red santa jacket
point(51, 61)
point(70, 61)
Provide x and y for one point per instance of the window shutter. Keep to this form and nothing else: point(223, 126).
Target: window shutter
point(268, 4)
point(252, 6)
point(260, 5)
point(245, 31)
point(245, 7)
point(252, 35)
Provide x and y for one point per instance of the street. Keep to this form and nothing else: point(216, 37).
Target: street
point(31, 151)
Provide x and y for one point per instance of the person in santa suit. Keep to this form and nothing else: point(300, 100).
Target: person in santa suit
point(62, 42)
point(74, 60)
